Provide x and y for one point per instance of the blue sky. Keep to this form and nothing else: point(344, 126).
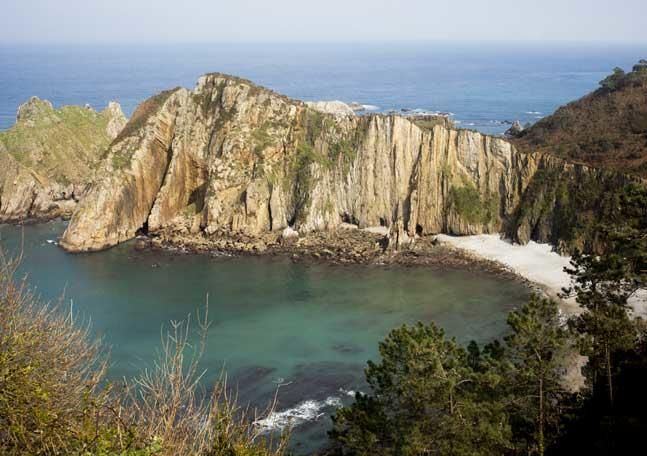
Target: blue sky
point(91, 21)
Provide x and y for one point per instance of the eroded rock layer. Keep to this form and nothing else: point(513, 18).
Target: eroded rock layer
point(230, 157)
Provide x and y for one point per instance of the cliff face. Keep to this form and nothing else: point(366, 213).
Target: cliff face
point(231, 158)
point(564, 202)
point(48, 158)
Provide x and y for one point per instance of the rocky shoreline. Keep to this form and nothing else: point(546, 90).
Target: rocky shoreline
point(341, 247)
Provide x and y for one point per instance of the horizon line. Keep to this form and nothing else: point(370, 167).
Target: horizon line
point(472, 41)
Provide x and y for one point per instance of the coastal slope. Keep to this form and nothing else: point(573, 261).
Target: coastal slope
point(598, 146)
point(48, 158)
point(605, 129)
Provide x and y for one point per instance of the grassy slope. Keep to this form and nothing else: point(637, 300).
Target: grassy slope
point(61, 144)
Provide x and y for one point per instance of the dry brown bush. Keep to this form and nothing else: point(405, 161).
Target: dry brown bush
point(55, 399)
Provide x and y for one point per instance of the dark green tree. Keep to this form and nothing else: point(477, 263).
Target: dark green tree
point(536, 350)
point(602, 285)
point(626, 240)
point(425, 398)
point(612, 419)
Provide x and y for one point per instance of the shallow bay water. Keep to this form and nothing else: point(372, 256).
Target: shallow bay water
point(307, 327)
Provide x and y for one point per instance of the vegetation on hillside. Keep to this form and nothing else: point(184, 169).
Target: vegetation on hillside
point(562, 205)
point(55, 398)
point(606, 131)
point(607, 128)
point(61, 144)
point(472, 206)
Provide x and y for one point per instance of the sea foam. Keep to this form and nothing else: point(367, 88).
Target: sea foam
point(308, 410)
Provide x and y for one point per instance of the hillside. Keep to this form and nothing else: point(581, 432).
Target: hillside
point(49, 156)
point(607, 128)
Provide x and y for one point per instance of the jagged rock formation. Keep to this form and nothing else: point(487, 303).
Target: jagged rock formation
point(232, 158)
point(48, 158)
point(514, 130)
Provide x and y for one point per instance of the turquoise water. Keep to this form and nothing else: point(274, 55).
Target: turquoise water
point(482, 84)
point(308, 327)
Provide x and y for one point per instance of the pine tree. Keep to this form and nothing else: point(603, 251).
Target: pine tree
point(535, 349)
point(602, 285)
point(424, 398)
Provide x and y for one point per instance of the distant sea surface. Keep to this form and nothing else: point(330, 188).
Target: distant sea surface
point(482, 85)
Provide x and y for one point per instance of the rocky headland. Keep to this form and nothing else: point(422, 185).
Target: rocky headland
point(236, 166)
point(48, 158)
point(233, 167)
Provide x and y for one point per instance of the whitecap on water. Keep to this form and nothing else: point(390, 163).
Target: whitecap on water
point(309, 410)
point(427, 112)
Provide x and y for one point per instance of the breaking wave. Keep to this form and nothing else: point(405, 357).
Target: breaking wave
point(309, 410)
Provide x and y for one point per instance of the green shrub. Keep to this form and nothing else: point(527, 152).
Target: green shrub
point(473, 208)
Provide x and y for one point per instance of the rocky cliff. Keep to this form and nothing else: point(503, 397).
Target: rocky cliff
point(564, 203)
point(48, 158)
point(232, 158)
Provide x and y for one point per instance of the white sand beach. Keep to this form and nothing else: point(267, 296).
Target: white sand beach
point(537, 263)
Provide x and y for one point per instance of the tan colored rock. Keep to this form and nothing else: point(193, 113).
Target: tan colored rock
point(231, 157)
point(335, 107)
point(289, 233)
point(117, 120)
point(119, 204)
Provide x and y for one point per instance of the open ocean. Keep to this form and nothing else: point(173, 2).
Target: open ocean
point(482, 85)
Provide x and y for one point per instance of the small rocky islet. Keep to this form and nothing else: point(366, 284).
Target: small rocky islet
point(236, 168)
